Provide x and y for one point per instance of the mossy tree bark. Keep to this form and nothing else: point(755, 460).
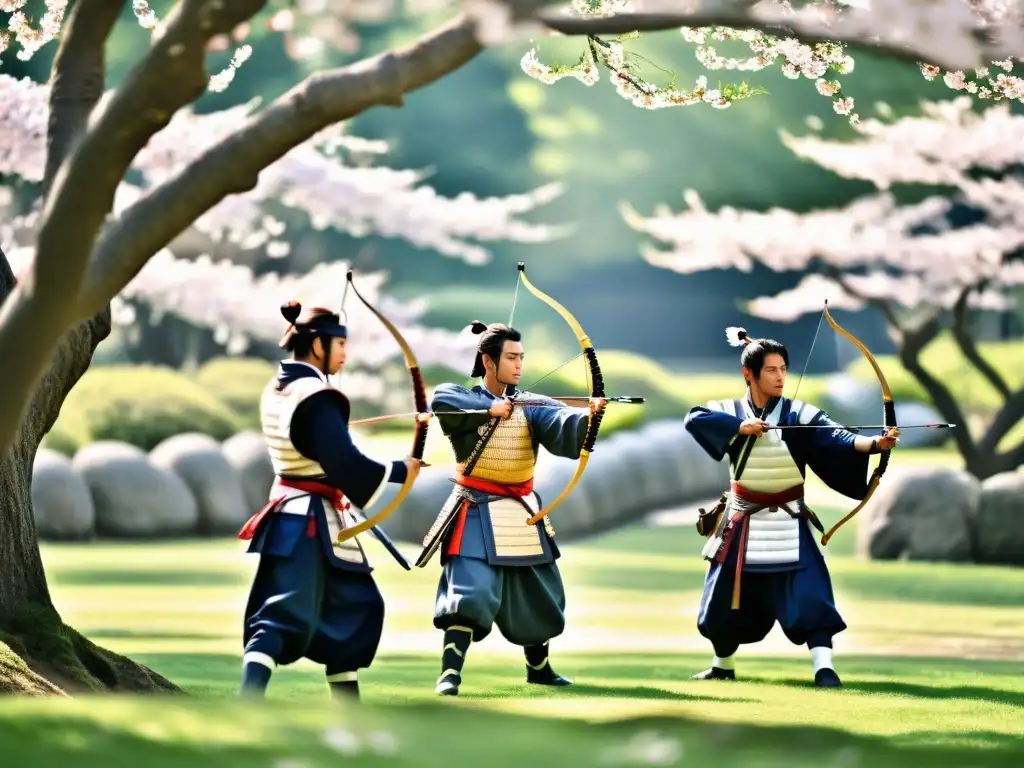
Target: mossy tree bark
point(39, 654)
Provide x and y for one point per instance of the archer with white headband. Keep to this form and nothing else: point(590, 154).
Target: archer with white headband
point(765, 565)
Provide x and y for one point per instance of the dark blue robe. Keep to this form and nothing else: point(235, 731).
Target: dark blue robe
point(305, 601)
point(798, 595)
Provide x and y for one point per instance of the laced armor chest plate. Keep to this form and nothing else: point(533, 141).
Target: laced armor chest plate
point(276, 410)
point(508, 457)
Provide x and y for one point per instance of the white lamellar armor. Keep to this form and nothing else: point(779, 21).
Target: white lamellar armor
point(276, 411)
point(774, 535)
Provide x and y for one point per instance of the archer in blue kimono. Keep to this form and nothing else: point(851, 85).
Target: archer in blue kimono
point(765, 563)
point(496, 569)
point(312, 597)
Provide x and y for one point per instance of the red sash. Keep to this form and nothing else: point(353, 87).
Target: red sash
point(755, 497)
point(768, 499)
point(484, 486)
point(329, 492)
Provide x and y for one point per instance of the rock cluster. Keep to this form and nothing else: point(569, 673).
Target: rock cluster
point(945, 515)
point(191, 485)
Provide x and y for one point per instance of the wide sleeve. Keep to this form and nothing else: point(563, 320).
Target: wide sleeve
point(831, 455)
point(319, 432)
point(713, 428)
point(559, 428)
point(452, 398)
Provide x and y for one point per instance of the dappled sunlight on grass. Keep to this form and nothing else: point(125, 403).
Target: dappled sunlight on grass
point(934, 654)
point(288, 734)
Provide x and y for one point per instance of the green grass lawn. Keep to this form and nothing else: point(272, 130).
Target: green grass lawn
point(933, 666)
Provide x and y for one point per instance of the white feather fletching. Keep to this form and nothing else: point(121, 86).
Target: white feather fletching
point(732, 334)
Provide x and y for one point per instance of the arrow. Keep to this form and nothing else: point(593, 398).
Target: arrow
point(861, 426)
point(427, 416)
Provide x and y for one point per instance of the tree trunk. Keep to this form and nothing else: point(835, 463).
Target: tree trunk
point(39, 654)
point(54, 658)
point(30, 626)
point(981, 457)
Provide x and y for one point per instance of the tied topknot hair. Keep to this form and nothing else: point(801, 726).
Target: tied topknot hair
point(492, 341)
point(291, 311)
point(316, 319)
point(737, 337)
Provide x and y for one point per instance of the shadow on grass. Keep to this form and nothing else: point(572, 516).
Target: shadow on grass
point(164, 732)
point(584, 690)
point(974, 692)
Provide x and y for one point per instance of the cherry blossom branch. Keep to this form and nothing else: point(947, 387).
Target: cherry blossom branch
point(170, 75)
point(938, 146)
point(31, 39)
point(230, 300)
point(233, 165)
point(315, 178)
point(39, 311)
point(947, 33)
point(910, 253)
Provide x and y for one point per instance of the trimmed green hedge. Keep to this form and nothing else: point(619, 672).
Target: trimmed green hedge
point(144, 405)
point(943, 360)
point(239, 383)
point(141, 405)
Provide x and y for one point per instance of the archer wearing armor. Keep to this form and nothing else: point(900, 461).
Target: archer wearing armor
point(496, 568)
point(312, 597)
point(765, 564)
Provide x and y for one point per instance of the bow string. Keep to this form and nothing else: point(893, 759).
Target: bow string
point(888, 416)
point(596, 387)
point(419, 440)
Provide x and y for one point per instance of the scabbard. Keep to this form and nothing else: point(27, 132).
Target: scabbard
point(390, 547)
point(442, 524)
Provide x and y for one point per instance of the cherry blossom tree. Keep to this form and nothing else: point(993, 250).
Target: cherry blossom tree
point(808, 40)
point(313, 179)
point(924, 265)
point(91, 240)
point(146, 127)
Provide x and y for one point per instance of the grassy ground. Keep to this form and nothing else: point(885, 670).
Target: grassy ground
point(932, 665)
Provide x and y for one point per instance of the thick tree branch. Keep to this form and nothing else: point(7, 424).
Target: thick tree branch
point(233, 165)
point(905, 32)
point(77, 82)
point(77, 79)
point(967, 346)
point(171, 75)
point(40, 310)
point(1007, 417)
point(1014, 458)
point(910, 355)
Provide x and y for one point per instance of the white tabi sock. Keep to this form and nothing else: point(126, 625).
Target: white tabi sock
point(822, 658)
point(729, 662)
